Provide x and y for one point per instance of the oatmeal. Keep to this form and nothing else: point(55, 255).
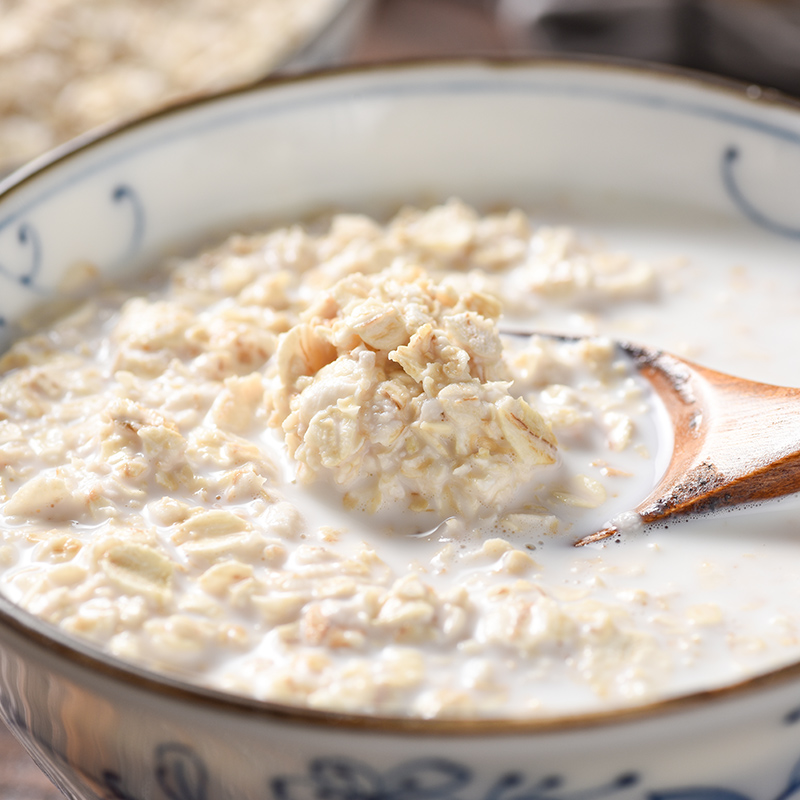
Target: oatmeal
point(317, 466)
point(394, 387)
point(69, 65)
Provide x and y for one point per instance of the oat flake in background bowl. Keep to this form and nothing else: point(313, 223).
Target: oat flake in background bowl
point(68, 67)
point(656, 164)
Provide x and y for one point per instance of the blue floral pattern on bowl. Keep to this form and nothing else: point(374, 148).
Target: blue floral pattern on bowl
point(24, 268)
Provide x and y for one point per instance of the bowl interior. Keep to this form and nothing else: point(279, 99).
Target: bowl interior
point(658, 163)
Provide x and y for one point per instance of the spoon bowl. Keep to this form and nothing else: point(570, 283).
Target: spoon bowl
point(736, 441)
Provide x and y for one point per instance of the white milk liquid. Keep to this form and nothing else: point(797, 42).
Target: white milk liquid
point(721, 593)
point(712, 600)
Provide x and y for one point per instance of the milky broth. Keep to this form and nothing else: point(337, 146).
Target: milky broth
point(192, 504)
point(733, 289)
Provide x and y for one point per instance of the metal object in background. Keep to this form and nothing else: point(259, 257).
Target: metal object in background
point(751, 40)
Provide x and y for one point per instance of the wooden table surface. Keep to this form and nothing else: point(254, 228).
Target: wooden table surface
point(401, 28)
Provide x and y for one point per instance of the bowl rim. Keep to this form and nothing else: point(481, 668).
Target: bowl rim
point(751, 92)
point(55, 643)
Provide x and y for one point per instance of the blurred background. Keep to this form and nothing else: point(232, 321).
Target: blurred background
point(757, 41)
point(68, 66)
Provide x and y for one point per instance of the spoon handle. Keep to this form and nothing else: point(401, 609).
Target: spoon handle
point(736, 441)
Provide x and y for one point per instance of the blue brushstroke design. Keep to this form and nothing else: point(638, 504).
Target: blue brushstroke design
point(125, 194)
point(729, 159)
point(180, 772)
point(425, 779)
point(348, 779)
point(29, 239)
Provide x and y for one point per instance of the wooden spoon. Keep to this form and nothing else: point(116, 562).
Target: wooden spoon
point(736, 441)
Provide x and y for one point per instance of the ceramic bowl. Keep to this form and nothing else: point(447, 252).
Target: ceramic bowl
point(585, 140)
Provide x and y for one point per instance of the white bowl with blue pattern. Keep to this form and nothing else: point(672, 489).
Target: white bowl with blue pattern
point(527, 133)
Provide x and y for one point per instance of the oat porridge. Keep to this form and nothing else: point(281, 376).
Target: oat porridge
point(69, 65)
point(318, 466)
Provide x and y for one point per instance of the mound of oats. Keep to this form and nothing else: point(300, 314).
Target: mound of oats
point(198, 479)
point(394, 386)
